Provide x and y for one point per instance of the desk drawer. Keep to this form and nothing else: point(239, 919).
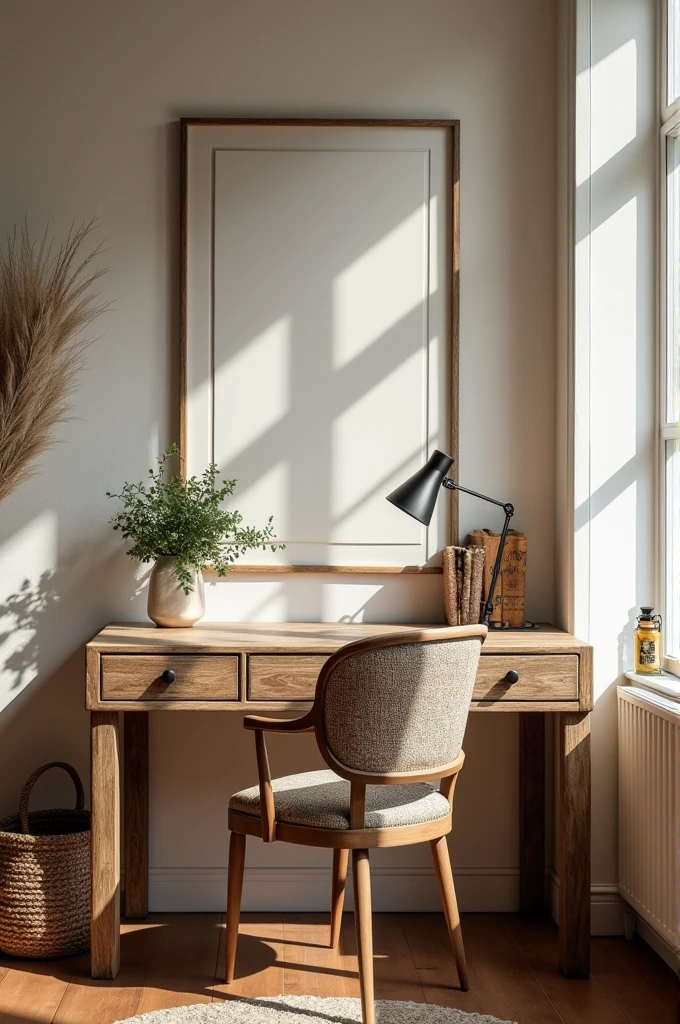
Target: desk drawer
point(283, 676)
point(545, 677)
point(197, 677)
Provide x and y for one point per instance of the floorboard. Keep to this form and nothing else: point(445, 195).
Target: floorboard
point(176, 959)
point(259, 959)
point(179, 967)
point(501, 983)
point(577, 1001)
point(639, 958)
point(311, 968)
point(639, 1005)
point(33, 990)
point(394, 971)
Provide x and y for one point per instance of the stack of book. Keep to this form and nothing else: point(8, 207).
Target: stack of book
point(467, 578)
point(463, 584)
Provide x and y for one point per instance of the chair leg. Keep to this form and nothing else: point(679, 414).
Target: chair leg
point(237, 859)
point(442, 865)
point(340, 858)
point(364, 929)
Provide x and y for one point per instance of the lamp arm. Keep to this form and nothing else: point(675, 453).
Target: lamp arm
point(509, 510)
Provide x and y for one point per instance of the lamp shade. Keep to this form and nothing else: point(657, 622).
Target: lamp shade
point(417, 496)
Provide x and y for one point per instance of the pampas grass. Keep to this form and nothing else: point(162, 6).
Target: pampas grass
point(46, 302)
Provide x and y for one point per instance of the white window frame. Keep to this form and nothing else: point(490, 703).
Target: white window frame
point(668, 431)
point(669, 104)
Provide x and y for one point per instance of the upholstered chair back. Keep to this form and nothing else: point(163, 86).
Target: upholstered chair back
point(399, 703)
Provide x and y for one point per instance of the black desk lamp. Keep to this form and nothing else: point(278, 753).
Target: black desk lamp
point(418, 495)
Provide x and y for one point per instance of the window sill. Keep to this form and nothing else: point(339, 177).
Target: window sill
point(665, 682)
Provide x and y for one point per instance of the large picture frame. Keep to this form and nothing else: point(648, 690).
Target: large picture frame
point(320, 327)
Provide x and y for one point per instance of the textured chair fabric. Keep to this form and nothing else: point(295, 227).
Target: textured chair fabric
point(321, 800)
point(401, 708)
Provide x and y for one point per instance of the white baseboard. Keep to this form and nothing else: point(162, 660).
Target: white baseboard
point(606, 907)
point(658, 943)
point(308, 889)
point(484, 890)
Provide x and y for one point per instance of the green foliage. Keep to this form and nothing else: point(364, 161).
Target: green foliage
point(185, 518)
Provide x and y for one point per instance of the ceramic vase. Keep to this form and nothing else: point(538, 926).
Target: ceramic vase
point(167, 604)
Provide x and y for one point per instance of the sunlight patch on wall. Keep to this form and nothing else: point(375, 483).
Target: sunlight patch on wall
point(235, 599)
point(613, 580)
point(154, 445)
point(434, 246)
point(613, 344)
point(437, 400)
point(366, 449)
point(335, 603)
point(383, 285)
point(268, 495)
point(26, 570)
point(249, 412)
point(612, 82)
point(582, 369)
point(199, 450)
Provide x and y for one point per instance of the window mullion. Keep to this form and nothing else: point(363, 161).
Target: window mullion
point(669, 333)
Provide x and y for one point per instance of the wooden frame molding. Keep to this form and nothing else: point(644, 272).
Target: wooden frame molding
point(357, 570)
point(452, 127)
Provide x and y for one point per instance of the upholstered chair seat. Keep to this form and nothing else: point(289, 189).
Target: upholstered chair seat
point(322, 800)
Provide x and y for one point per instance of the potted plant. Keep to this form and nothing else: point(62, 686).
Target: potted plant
point(180, 525)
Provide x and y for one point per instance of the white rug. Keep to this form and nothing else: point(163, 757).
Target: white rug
point(308, 1010)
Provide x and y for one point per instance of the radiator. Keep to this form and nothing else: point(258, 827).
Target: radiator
point(649, 808)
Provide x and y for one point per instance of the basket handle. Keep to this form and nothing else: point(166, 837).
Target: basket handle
point(32, 779)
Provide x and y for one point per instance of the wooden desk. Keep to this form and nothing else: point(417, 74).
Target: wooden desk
point(273, 667)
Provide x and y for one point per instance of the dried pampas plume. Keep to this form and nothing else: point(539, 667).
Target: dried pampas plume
point(46, 302)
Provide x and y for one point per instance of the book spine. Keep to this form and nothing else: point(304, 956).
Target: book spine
point(466, 559)
point(450, 586)
point(459, 580)
point(476, 584)
point(514, 578)
point(489, 542)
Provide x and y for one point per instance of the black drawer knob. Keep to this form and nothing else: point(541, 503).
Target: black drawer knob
point(168, 676)
point(511, 676)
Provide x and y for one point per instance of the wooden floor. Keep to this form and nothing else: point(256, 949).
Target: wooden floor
point(172, 959)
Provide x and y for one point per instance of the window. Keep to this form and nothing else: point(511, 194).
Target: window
point(670, 361)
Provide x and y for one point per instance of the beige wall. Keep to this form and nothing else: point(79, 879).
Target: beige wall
point(91, 96)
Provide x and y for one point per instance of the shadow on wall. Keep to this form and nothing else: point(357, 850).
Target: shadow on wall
point(21, 615)
point(625, 641)
point(48, 723)
point(40, 609)
point(42, 706)
point(316, 598)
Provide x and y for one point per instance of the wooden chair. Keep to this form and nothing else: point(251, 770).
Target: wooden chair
point(389, 716)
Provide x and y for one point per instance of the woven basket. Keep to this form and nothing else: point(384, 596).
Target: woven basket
point(45, 876)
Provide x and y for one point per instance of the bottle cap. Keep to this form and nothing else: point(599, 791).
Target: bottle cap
point(646, 611)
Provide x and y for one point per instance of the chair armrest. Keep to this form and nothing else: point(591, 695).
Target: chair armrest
point(267, 806)
point(260, 724)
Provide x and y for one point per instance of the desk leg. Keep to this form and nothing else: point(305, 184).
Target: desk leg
point(532, 814)
point(105, 797)
point(574, 844)
point(136, 812)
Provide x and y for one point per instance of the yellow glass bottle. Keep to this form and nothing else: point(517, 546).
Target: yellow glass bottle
point(648, 642)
